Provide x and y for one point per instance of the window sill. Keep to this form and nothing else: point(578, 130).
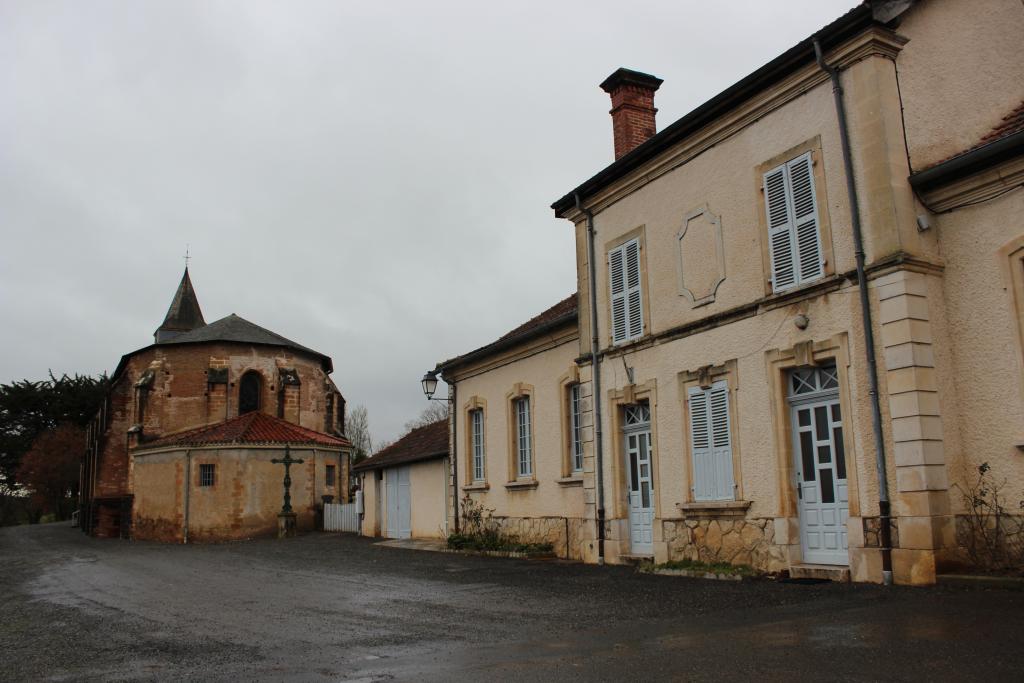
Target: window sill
point(522, 485)
point(477, 486)
point(573, 480)
point(714, 508)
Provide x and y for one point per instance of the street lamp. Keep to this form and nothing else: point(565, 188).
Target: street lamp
point(429, 383)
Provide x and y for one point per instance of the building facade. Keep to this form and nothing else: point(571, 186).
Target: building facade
point(730, 407)
point(405, 486)
point(194, 375)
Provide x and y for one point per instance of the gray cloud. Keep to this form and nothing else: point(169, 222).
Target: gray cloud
point(371, 180)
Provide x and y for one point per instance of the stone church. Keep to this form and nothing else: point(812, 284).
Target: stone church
point(181, 448)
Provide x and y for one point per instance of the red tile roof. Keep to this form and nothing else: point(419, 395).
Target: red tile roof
point(563, 308)
point(1008, 125)
point(422, 443)
point(565, 311)
point(250, 429)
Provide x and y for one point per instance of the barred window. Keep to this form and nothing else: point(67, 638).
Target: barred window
point(207, 475)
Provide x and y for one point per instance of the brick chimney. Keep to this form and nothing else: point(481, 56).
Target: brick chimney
point(633, 109)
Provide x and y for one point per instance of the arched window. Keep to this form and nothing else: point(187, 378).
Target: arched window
point(250, 391)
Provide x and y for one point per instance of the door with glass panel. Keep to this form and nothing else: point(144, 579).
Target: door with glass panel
point(639, 478)
point(821, 484)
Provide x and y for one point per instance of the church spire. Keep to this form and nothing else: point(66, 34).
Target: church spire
point(183, 315)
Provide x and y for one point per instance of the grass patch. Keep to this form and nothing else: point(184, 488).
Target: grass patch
point(705, 567)
point(496, 543)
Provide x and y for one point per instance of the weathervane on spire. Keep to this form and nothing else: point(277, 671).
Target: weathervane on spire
point(187, 257)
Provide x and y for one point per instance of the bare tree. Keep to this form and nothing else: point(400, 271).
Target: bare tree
point(358, 428)
point(437, 410)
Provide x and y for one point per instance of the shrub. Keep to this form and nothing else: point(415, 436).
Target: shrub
point(480, 531)
point(991, 538)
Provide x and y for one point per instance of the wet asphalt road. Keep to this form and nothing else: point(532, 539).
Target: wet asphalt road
point(332, 607)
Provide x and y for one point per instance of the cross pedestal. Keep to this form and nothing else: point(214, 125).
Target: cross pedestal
point(286, 522)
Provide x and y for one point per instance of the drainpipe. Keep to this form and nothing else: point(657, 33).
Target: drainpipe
point(188, 487)
point(884, 507)
point(596, 365)
point(452, 408)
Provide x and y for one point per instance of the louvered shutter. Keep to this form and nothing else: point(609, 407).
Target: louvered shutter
point(711, 443)
point(805, 218)
point(634, 301)
point(793, 235)
point(617, 281)
point(700, 445)
point(780, 229)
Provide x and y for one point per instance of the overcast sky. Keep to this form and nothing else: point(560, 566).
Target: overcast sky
point(369, 179)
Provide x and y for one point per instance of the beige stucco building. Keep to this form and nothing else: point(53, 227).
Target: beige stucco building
point(405, 486)
point(710, 395)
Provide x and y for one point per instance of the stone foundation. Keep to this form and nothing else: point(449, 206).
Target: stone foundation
point(560, 532)
point(748, 542)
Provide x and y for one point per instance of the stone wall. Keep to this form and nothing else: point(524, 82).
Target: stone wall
point(748, 542)
point(560, 532)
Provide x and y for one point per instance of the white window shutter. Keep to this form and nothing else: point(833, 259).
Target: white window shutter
point(711, 443)
point(805, 218)
point(722, 440)
point(780, 232)
point(634, 294)
point(700, 444)
point(617, 282)
point(626, 292)
point(793, 231)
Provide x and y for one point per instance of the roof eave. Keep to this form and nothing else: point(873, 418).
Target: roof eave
point(763, 78)
point(368, 465)
point(503, 344)
point(969, 163)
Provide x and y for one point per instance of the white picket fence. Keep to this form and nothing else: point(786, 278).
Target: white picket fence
point(341, 517)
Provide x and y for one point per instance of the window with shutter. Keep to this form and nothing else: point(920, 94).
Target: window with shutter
point(477, 419)
point(524, 438)
point(794, 237)
point(626, 292)
point(711, 443)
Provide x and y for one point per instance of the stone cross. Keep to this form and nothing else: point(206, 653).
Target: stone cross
point(287, 461)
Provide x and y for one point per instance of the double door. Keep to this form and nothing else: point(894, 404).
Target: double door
point(399, 500)
point(641, 491)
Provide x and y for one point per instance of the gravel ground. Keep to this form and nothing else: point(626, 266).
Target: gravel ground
point(336, 607)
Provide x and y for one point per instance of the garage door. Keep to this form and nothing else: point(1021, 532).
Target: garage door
point(398, 499)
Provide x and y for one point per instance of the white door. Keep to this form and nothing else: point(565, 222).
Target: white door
point(820, 466)
point(399, 499)
point(640, 480)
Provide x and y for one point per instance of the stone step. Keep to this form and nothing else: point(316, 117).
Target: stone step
point(636, 559)
point(828, 572)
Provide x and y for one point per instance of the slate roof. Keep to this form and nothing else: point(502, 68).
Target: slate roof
point(248, 430)
point(234, 328)
point(184, 313)
point(562, 313)
point(422, 443)
point(797, 57)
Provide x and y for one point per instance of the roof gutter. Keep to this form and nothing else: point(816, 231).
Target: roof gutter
point(885, 532)
point(969, 163)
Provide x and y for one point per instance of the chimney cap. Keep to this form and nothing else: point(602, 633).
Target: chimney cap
point(623, 76)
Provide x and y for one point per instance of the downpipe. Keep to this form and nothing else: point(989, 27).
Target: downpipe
point(884, 505)
point(596, 365)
